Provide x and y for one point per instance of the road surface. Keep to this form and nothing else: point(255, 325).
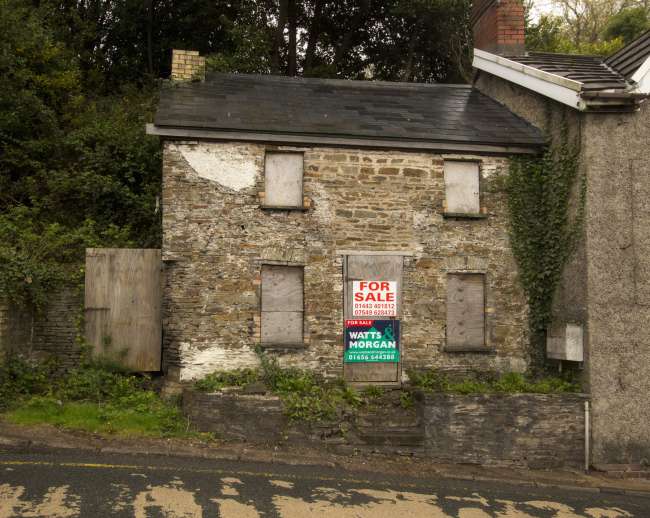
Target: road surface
point(61, 484)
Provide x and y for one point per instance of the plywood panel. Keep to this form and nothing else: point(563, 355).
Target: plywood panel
point(465, 310)
point(282, 328)
point(283, 174)
point(282, 288)
point(372, 268)
point(462, 187)
point(123, 306)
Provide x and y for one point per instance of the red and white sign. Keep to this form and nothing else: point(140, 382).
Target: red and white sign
point(374, 298)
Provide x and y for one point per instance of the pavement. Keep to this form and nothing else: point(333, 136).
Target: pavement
point(48, 472)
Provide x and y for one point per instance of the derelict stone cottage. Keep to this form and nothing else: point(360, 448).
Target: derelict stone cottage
point(359, 228)
point(292, 206)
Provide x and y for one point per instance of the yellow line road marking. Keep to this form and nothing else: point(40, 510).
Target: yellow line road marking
point(213, 471)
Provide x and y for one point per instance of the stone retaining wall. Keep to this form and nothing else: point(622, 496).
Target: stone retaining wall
point(530, 430)
point(533, 430)
point(51, 333)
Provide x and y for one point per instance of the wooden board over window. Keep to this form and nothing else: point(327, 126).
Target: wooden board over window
point(283, 174)
point(282, 305)
point(465, 311)
point(462, 187)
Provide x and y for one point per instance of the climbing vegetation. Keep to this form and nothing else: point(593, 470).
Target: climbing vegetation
point(546, 199)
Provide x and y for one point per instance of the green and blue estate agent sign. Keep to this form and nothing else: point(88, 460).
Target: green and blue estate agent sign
point(371, 341)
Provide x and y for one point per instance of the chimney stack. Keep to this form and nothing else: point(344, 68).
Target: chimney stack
point(498, 26)
point(187, 65)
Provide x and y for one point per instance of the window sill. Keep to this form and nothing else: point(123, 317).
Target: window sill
point(467, 349)
point(282, 346)
point(463, 215)
point(273, 207)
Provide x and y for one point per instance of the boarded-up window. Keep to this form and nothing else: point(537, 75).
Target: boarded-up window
point(465, 310)
point(283, 180)
point(282, 305)
point(462, 187)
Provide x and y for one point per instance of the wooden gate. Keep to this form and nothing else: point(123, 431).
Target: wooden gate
point(372, 268)
point(123, 306)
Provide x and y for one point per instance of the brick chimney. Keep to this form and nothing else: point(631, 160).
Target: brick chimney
point(498, 26)
point(187, 65)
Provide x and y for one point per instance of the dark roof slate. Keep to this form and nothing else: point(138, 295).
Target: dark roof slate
point(341, 108)
point(631, 57)
point(591, 71)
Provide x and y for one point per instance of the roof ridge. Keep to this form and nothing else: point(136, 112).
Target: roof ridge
point(616, 72)
point(564, 54)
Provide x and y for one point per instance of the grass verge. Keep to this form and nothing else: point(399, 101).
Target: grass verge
point(96, 398)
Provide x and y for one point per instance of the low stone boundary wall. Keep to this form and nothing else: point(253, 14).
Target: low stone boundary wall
point(533, 430)
point(259, 418)
point(530, 430)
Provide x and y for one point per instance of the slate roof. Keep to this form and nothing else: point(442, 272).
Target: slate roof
point(631, 57)
point(359, 109)
point(591, 71)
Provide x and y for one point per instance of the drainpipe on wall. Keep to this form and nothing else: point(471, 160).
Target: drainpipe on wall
point(587, 433)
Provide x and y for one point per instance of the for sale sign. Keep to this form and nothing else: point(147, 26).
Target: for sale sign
point(374, 298)
point(371, 341)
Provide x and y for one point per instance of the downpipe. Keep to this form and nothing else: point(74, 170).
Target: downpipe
point(587, 435)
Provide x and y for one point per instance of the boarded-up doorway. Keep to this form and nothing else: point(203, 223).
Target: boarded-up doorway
point(123, 306)
point(372, 268)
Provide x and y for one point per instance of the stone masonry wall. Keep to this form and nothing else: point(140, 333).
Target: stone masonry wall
point(529, 430)
point(51, 333)
point(533, 430)
point(216, 237)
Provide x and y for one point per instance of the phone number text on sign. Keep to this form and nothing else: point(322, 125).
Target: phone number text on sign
point(374, 298)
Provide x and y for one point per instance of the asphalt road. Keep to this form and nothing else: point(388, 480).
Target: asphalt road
point(61, 484)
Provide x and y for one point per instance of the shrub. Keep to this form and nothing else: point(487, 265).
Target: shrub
point(220, 379)
point(509, 383)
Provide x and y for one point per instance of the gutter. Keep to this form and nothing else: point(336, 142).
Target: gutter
point(170, 132)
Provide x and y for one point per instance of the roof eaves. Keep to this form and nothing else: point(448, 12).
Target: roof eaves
point(530, 146)
point(561, 89)
point(528, 70)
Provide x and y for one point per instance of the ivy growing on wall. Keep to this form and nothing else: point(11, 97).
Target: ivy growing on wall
point(546, 198)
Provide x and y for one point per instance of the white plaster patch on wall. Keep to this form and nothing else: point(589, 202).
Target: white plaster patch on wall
point(200, 360)
point(224, 164)
point(322, 207)
point(491, 169)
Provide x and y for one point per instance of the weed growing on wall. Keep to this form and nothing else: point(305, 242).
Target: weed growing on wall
point(509, 383)
point(235, 378)
point(546, 210)
point(305, 395)
point(308, 397)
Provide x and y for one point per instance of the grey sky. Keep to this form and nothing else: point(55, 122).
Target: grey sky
point(544, 7)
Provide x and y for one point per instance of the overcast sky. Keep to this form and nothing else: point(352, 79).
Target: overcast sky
point(543, 7)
